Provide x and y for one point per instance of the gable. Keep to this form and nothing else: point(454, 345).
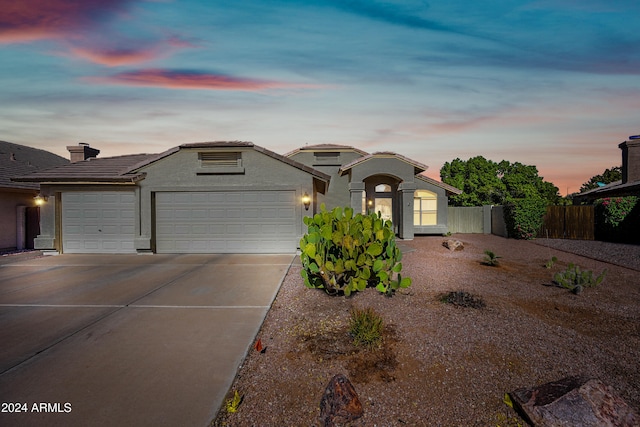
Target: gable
point(230, 165)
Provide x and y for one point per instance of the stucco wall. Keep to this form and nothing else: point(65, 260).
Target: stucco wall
point(182, 172)
point(338, 192)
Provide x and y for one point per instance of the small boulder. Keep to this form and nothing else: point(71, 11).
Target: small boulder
point(340, 403)
point(453, 245)
point(574, 401)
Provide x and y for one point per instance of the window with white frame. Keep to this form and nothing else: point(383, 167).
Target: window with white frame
point(425, 208)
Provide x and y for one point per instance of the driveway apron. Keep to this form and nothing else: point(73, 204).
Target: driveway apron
point(97, 340)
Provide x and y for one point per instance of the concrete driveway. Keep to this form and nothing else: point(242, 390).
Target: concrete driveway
point(128, 339)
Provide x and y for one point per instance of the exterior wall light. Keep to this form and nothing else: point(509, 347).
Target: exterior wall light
point(306, 201)
point(40, 199)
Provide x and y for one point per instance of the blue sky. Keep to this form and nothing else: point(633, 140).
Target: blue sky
point(550, 83)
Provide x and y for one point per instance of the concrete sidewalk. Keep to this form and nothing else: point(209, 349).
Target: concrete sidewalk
point(98, 340)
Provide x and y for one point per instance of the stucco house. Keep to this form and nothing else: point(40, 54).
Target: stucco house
point(630, 183)
point(19, 220)
point(226, 197)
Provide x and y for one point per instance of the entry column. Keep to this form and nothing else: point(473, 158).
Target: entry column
point(356, 189)
point(406, 192)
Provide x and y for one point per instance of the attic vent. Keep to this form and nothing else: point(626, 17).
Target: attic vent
point(233, 159)
point(327, 157)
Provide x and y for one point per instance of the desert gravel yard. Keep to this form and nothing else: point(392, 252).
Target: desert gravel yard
point(443, 365)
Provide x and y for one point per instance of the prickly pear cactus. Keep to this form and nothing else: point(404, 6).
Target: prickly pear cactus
point(344, 253)
point(576, 279)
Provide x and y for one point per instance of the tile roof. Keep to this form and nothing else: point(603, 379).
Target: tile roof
point(326, 147)
point(418, 166)
point(17, 160)
point(128, 168)
point(106, 169)
point(448, 188)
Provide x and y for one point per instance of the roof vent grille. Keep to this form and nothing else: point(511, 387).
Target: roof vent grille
point(220, 158)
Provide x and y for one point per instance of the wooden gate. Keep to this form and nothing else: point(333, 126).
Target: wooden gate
point(568, 222)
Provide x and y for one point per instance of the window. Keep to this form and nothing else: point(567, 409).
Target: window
point(213, 159)
point(425, 208)
point(383, 188)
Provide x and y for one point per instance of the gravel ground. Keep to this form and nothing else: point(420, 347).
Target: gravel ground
point(624, 255)
point(443, 365)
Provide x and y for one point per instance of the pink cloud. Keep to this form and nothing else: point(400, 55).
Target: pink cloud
point(111, 54)
point(27, 20)
point(180, 79)
point(116, 57)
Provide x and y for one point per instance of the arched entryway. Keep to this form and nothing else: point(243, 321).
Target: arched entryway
point(381, 195)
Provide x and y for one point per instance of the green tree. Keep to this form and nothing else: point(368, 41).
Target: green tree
point(608, 176)
point(485, 182)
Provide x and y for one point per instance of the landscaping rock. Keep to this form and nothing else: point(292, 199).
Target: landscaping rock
point(453, 245)
point(574, 401)
point(340, 403)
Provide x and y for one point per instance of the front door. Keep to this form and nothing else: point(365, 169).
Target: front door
point(384, 205)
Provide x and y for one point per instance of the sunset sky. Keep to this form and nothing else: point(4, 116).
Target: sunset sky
point(550, 83)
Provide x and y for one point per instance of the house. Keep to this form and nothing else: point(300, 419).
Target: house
point(18, 210)
point(226, 197)
point(630, 183)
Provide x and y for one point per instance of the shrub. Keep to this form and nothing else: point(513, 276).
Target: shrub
point(345, 253)
point(551, 262)
point(575, 279)
point(490, 258)
point(617, 218)
point(366, 327)
point(524, 217)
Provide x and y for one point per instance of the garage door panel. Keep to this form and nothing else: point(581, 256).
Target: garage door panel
point(235, 221)
point(286, 213)
point(98, 222)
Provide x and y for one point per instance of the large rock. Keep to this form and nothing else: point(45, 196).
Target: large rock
point(453, 245)
point(340, 403)
point(574, 401)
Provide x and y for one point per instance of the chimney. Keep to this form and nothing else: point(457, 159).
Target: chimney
point(81, 152)
point(631, 159)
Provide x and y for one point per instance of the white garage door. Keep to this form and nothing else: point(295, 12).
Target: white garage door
point(98, 222)
point(226, 222)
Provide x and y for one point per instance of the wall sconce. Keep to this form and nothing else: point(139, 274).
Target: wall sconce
point(370, 202)
point(40, 199)
point(306, 201)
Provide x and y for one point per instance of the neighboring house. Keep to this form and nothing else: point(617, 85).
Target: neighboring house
point(18, 210)
point(630, 183)
point(226, 197)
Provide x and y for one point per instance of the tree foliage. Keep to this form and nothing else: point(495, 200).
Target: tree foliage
point(485, 182)
point(606, 177)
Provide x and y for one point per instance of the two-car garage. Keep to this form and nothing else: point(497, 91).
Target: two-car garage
point(185, 221)
point(200, 198)
point(226, 222)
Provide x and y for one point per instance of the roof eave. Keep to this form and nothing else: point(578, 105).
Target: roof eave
point(129, 179)
point(418, 167)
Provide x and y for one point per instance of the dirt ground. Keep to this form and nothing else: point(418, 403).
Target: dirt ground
point(441, 364)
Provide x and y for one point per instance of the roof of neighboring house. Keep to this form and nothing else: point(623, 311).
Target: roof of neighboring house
point(326, 147)
point(446, 187)
point(17, 160)
point(95, 169)
point(419, 167)
point(613, 189)
point(127, 168)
